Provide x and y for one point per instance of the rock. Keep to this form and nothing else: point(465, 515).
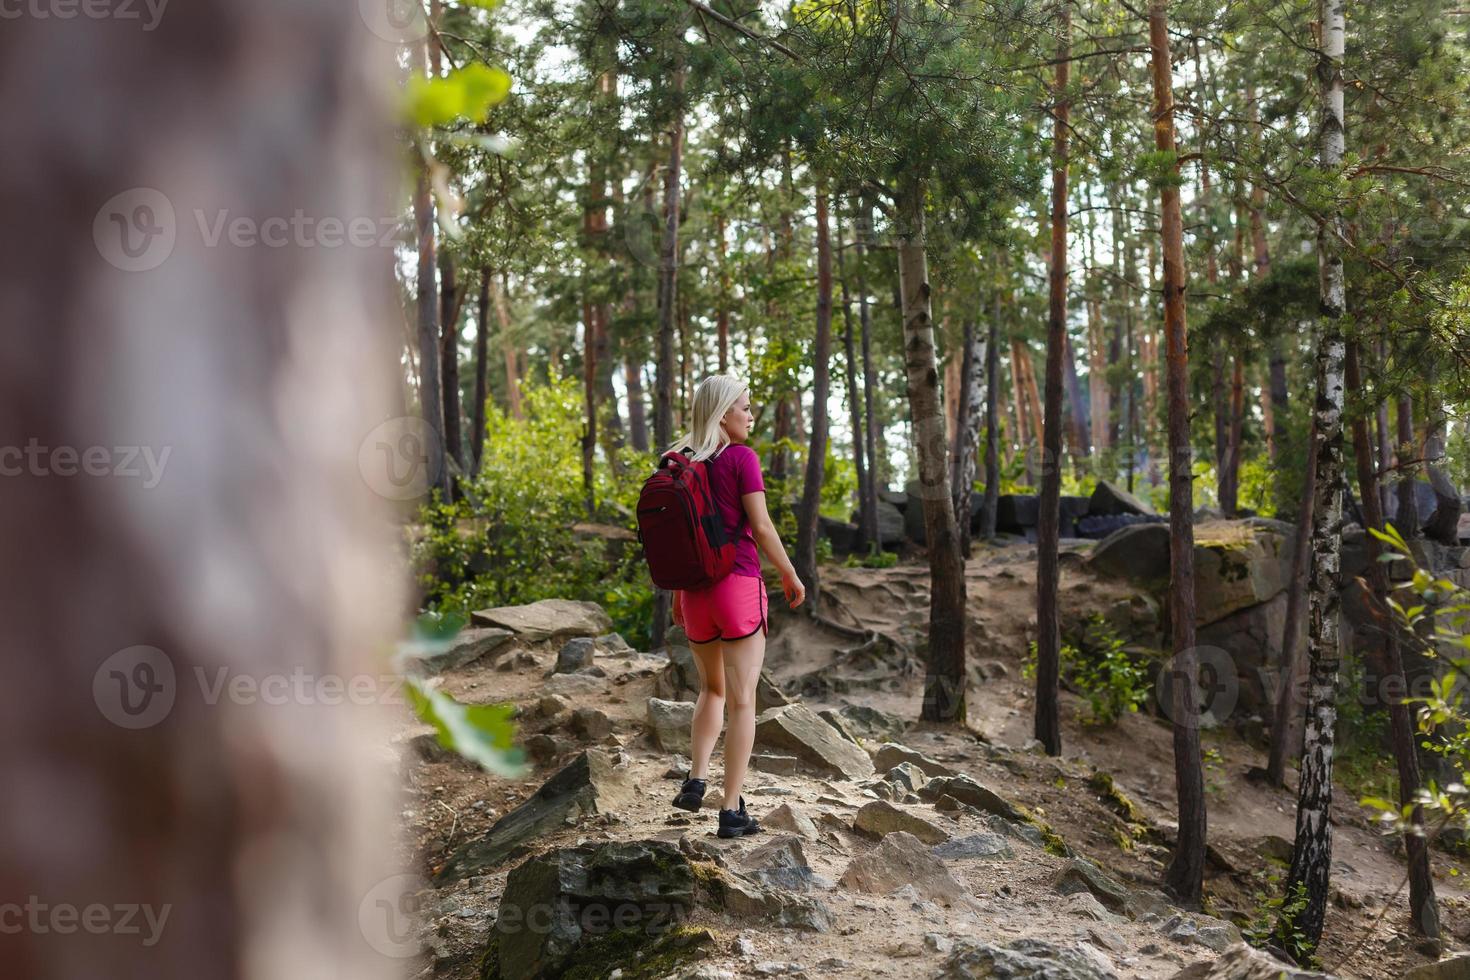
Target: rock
point(1109, 498)
point(1238, 564)
point(679, 679)
point(1086, 905)
point(466, 647)
point(1014, 513)
point(908, 776)
point(899, 859)
point(1449, 968)
point(871, 723)
point(966, 790)
point(575, 654)
point(1138, 553)
point(782, 863)
point(574, 685)
point(594, 782)
point(768, 694)
point(843, 535)
point(742, 896)
point(580, 906)
point(543, 748)
point(1244, 962)
point(1216, 934)
point(552, 705)
point(779, 764)
point(1080, 874)
point(671, 722)
point(838, 722)
point(791, 818)
point(880, 818)
point(549, 619)
point(974, 846)
point(1251, 640)
point(1273, 847)
point(1095, 527)
point(1027, 832)
point(890, 524)
point(1023, 959)
point(898, 498)
point(796, 728)
point(890, 754)
point(590, 724)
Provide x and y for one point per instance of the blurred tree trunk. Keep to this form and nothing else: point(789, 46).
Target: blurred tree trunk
point(992, 421)
point(500, 292)
point(869, 508)
point(971, 415)
point(854, 396)
point(242, 523)
point(482, 370)
point(1286, 729)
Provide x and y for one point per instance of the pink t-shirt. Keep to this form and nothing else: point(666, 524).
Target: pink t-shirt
point(734, 472)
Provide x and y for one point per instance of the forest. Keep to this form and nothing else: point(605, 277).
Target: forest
point(1109, 368)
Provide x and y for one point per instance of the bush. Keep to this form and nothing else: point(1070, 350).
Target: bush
point(1101, 670)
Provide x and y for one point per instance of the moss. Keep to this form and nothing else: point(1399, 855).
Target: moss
point(1102, 783)
point(631, 951)
point(490, 962)
point(1052, 841)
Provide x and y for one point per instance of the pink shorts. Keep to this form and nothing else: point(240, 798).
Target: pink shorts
point(731, 609)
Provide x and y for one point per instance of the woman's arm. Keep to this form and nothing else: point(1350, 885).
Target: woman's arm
point(770, 545)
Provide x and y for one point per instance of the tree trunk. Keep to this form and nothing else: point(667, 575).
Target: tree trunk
point(1288, 712)
point(1230, 472)
point(992, 422)
point(1311, 863)
point(1023, 433)
point(589, 398)
point(1423, 909)
point(449, 306)
point(1048, 726)
point(811, 491)
point(482, 373)
point(222, 525)
point(1184, 877)
point(972, 381)
point(500, 296)
point(431, 398)
point(637, 420)
point(722, 317)
point(870, 492)
point(854, 396)
point(1408, 519)
point(944, 683)
point(663, 418)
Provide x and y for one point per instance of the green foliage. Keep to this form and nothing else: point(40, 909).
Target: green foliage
point(1273, 922)
point(467, 93)
point(483, 733)
point(1100, 669)
point(510, 540)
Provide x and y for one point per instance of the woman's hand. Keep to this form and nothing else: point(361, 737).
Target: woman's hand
point(791, 585)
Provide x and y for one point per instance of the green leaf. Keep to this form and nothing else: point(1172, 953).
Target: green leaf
point(467, 93)
point(479, 732)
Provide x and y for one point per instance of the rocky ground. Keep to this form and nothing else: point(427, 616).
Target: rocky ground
point(890, 848)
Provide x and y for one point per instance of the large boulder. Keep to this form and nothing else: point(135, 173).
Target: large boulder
point(1238, 564)
point(1109, 498)
point(799, 731)
point(1014, 513)
point(843, 535)
point(549, 619)
point(671, 723)
point(902, 859)
point(1139, 553)
point(1082, 875)
point(1252, 641)
point(594, 782)
point(881, 818)
point(890, 524)
point(1244, 962)
point(1449, 968)
point(1025, 959)
point(467, 646)
point(596, 908)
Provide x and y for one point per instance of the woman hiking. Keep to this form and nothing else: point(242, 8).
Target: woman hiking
point(726, 622)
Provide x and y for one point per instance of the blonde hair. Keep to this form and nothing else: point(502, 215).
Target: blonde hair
point(713, 397)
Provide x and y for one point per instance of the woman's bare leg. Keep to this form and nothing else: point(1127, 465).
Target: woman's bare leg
point(743, 660)
point(709, 707)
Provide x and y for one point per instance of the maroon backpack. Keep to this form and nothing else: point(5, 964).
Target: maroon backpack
point(684, 539)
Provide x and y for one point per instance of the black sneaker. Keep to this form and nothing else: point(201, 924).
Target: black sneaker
point(734, 823)
point(691, 795)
